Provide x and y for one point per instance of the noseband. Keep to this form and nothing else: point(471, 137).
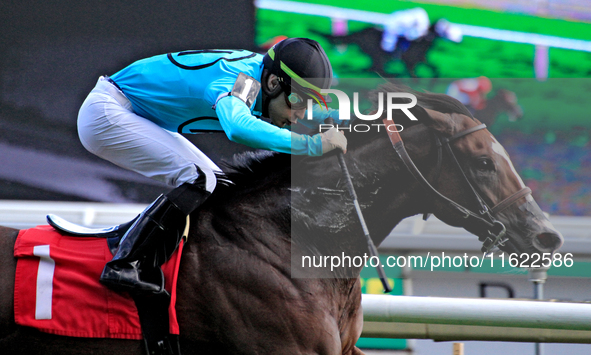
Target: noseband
point(482, 223)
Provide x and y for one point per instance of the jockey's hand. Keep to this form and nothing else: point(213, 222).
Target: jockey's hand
point(333, 139)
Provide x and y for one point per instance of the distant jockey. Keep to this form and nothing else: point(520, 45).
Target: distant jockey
point(271, 42)
point(471, 92)
point(409, 24)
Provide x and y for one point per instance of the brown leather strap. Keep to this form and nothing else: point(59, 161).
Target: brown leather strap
point(464, 133)
point(392, 131)
point(510, 200)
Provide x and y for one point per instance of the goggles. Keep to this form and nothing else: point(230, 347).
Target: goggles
point(294, 101)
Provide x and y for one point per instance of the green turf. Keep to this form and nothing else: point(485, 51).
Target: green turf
point(472, 57)
point(557, 104)
point(472, 16)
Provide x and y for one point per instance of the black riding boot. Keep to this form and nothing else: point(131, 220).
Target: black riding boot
point(151, 241)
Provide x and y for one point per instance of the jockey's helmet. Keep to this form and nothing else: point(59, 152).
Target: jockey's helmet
point(302, 65)
point(448, 30)
point(484, 84)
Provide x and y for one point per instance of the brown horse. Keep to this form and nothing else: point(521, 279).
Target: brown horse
point(241, 289)
point(504, 101)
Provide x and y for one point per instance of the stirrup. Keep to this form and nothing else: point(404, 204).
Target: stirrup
point(127, 279)
point(80, 231)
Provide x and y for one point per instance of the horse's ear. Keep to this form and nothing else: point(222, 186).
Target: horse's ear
point(439, 121)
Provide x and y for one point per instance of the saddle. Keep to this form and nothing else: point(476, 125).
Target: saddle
point(152, 309)
point(112, 234)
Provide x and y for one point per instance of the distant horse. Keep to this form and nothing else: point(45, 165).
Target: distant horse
point(504, 101)
point(237, 293)
point(411, 53)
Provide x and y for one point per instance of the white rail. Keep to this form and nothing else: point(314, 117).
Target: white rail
point(542, 43)
point(26, 214)
point(411, 235)
point(436, 318)
point(442, 318)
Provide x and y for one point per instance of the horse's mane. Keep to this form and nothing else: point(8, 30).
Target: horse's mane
point(433, 101)
point(252, 169)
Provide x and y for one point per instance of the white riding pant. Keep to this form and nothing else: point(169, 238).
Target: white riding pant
point(108, 128)
point(410, 24)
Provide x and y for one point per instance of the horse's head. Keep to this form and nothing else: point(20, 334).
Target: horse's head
point(470, 179)
point(480, 176)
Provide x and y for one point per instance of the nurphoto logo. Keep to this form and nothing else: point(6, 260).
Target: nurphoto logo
point(345, 110)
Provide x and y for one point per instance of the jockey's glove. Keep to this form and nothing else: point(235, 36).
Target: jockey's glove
point(333, 139)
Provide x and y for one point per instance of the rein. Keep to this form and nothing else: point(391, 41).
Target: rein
point(483, 223)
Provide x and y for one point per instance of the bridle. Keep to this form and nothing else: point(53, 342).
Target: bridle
point(482, 223)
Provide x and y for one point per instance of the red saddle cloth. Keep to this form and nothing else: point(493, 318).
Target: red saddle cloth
point(57, 289)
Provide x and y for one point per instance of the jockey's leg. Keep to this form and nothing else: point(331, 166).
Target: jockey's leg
point(152, 239)
point(109, 128)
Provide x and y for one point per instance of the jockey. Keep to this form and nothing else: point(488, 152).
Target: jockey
point(135, 118)
point(410, 24)
point(471, 91)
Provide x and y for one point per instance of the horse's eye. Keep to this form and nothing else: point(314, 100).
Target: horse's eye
point(484, 164)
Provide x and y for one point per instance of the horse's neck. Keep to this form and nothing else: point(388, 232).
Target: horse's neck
point(314, 207)
point(383, 188)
